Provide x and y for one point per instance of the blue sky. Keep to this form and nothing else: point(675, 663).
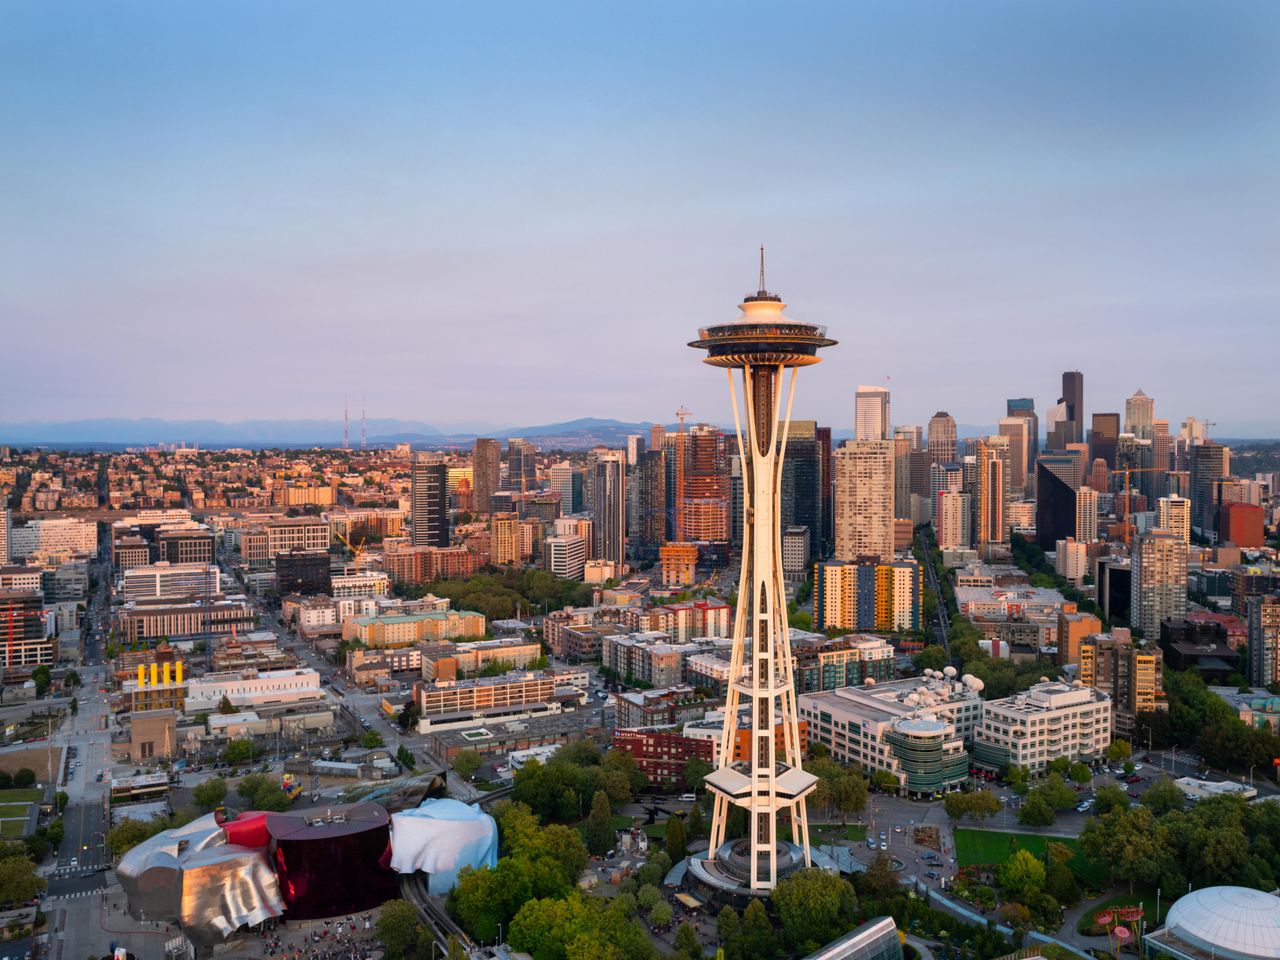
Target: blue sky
point(520, 213)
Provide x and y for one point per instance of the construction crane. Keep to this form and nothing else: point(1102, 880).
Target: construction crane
point(1127, 471)
point(680, 457)
point(357, 549)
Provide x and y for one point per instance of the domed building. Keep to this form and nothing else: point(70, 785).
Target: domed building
point(1222, 923)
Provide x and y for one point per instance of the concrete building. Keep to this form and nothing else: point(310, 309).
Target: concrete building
point(609, 506)
point(303, 571)
point(566, 556)
point(1264, 640)
point(23, 644)
point(867, 595)
point(871, 414)
point(166, 581)
point(253, 689)
point(1071, 560)
point(358, 584)
point(55, 537)
point(1131, 674)
point(941, 441)
point(922, 748)
point(486, 472)
point(461, 696)
point(823, 663)
point(1086, 514)
point(259, 546)
point(864, 500)
point(679, 563)
point(951, 520)
point(1159, 581)
point(660, 707)
point(142, 620)
point(1173, 513)
point(429, 502)
point(653, 658)
point(394, 630)
point(795, 554)
point(661, 753)
point(1050, 720)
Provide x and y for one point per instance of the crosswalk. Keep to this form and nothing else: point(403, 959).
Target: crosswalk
point(73, 871)
point(74, 896)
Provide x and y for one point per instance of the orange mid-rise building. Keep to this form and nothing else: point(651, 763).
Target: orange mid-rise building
point(1241, 524)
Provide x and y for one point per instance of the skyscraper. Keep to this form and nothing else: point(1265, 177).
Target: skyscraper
point(942, 438)
point(609, 506)
point(1263, 614)
point(6, 524)
point(1025, 407)
point(702, 514)
point(871, 414)
point(1210, 463)
point(1017, 429)
point(1139, 415)
point(635, 447)
point(560, 479)
point(864, 500)
point(951, 520)
point(1174, 514)
point(761, 344)
point(429, 502)
point(522, 465)
point(651, 500)
point(486, 472)
point(990, 527)
point(1086, 514)
point(1159, 581)
point(1103, 436)
point(1055, 504)
point(657, 437)
point(1073, 397)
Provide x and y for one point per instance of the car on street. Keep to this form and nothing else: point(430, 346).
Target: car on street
point(871, 843)
point(897, 828)
point(883, 845)
point(932, 874)
point(1134, 793)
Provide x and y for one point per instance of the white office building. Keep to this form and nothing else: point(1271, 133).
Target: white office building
point(1051, 720)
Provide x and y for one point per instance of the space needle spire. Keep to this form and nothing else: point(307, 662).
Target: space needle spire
point(756, 350)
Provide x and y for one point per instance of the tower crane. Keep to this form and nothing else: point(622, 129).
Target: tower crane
point(1127, 471)
point(357, 549)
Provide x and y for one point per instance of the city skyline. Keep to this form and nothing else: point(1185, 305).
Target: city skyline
point(344, 192)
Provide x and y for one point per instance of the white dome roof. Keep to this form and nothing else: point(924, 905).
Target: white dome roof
point(1234, 922)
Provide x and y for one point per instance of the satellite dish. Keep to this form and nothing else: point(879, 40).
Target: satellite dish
point(1044, 679)
point(949, 672)
point(869, 682)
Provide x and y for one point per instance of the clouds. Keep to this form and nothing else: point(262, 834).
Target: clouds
point(531, 210)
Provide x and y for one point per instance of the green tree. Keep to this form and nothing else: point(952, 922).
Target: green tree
point(676, 847)
point(1133, 845)
point(1108, 798)
point(1019, 779)
point(648, 897)
point(74, 707)
point(687, 943)
point(884, 781)
point(1163, 796)
point(1119, 750)
point(932, 657)
point(695, 771)
point(600, 825)
point(211, 793)
point(660, 915)
point(42, 677)
point(1021, 875)
point(467, 763)
point(239, 751)
point(72, 679)
point(60, 800)
point(727, 925)
point(18, 880)
point(880, 877)
point(372, 740)
point(695, 826)
point(813, 908)
point(1080, 773)
point(226, 707)
point(397, 927)
point(409, 716)
point(1036, 811)
point(756, 934)
point(25, 777)
point(128, 833)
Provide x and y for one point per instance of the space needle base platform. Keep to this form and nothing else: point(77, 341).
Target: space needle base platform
point(725, 880)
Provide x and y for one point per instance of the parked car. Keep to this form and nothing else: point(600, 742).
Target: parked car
point(883, 845)
point(932, 874)
point(1134, 793)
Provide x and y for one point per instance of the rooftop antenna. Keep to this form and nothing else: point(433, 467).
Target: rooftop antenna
point(362, 423)
point(345, 421)
point(762, 286)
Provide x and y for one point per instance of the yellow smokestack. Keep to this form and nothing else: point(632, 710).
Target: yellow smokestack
point(155, 674)
point(142, 675)
point(166, 674)
point(178, 668)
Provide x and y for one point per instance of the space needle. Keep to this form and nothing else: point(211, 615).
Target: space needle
point(761, 345)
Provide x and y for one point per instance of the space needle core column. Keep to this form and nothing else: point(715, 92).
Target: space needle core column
point(763, 343)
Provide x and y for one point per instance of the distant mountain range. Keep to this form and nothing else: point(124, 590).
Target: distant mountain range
point(580, 434)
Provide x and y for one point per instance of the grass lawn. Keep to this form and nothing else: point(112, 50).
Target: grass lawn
point(1143, 895)
point(13, 828)
point(22, 795)
point(989, 846)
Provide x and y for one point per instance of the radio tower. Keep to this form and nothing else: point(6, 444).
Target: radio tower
point(763, 343)
point(362, 424)
point(345, 422)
